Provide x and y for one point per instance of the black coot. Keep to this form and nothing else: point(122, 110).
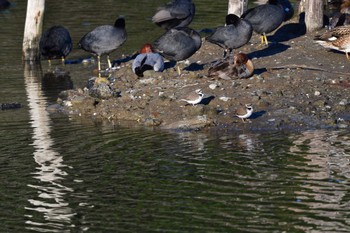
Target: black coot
point(178, 44)
point(265, 18)
point(104, 40)
point(55, 43)
point(236, 33)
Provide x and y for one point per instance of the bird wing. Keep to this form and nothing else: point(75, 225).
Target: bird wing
point(174, 10)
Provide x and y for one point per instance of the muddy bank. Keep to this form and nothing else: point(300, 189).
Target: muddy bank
point(297, 84)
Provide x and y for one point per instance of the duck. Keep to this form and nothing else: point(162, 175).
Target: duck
point(244, 112)
point(338, 39)
point(342, 17)
point(265, 18)
point(236, 33)
point(178, 44)
point(178, 13)
point(241, 67)
point(55, 43)
point(194, 97)
point(147, 60)
point(104, 39)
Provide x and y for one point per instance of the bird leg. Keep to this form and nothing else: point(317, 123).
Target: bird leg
point(109, 62)
point(98, 65)
point(266, 42)
point(63, 60)
point(347, 55)
point(230, 56)
point(178, 70)
point(225, 53)
point(262, 39)
point(49, 60)
point(100, 79)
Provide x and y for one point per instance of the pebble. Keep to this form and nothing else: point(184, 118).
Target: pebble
point(224, 98)
point(343, 102)
point(213, 86)
point(317, 93)
point(342, 126)
point(147, 81)
point(67, 103)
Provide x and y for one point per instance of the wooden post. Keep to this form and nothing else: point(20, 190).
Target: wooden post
point(313, 15)
point(33, 29)
point(237, 7)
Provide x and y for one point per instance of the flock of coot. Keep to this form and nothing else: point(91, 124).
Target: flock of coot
point(180, 42)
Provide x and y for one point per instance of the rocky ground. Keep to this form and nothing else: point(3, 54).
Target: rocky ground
point(296, 85)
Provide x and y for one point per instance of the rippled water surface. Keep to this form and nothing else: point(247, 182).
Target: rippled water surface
point(71, 175)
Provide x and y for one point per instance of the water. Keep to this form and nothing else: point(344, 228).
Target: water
point(60, 174)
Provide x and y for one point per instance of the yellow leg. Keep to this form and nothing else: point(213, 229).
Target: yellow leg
point(100, 79)
point(347, 55)
point(63, 61)
point(49, 60)
point(98, 64)
point(262, 39)
point(266, 42)
point(178, 70)
point(109, 62)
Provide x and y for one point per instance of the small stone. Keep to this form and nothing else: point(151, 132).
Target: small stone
point(102, 90)
point(224, 98)
point(319, 103)
point(67, 103)
point(317, 93)
point(54, 108)
point(256, 98)
point(213, 86)
point(77, 100)
point(343, 102)
point(147, 81)
point(234, 84)
point(342, 126)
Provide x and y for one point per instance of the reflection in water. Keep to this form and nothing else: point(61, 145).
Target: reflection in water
point(324, 188)
point(196, 141)
point(242, 142)
point(50, 201)
point(54, 82)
